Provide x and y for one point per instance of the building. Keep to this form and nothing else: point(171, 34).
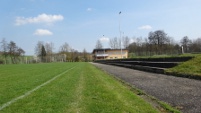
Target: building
point(107, 53)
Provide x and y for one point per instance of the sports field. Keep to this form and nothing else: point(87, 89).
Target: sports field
point(65, 88)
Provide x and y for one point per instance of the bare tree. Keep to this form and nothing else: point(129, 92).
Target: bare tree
point(65, 48)
point(4, 47)
point(185, 41)
point(125, 42)
point(171, 47)
point(74, 55)
point(119, 43)
point(196, 45)
point(85, 58)
point(137, 46)
point(112, 43)
point(147, 47)
point(99, 45)
point(141, 47)
point(115, 43)
point(158, 40)
point(38, 48)
point(49, 50)
point(20, 52)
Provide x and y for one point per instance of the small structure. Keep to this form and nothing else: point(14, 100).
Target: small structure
point(107, 53)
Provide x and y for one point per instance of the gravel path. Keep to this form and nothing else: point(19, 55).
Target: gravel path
point(179, 92)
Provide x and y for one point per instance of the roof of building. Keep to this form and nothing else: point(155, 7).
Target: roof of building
point(105, 49)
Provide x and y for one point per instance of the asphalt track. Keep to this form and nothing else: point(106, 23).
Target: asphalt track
point(182, 93)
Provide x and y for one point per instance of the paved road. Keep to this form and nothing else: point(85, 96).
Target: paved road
point(181, 92)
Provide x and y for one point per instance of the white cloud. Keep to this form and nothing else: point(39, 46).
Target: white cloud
point(104, 39)
point(43, 32)
point(89, 9)
point(42, 18)
point(145, 27)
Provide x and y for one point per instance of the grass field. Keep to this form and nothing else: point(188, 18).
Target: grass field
point(82, 89)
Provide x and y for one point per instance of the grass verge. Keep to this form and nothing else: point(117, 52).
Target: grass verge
point(160, 105)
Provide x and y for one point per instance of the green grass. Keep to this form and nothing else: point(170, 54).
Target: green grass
point(18, 79)
point(191, 67)
point(187, 69)
point(84, 89)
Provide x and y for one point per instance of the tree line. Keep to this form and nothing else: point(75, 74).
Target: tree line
point(115, 43)
point(157, 43)
point(66, 53)
point(10, 52)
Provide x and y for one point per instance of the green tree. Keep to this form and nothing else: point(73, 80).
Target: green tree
point(12, 50)
point(43, 53)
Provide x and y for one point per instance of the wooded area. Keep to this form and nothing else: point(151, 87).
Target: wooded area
point(10, 53)
point(157, 43)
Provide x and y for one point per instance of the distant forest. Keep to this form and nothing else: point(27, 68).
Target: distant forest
point(10, 53)
point(157, 43)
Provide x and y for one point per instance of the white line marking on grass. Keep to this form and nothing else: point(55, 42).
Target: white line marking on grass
point(31, 91)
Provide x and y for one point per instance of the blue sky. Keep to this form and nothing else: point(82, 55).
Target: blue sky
point(81, 23)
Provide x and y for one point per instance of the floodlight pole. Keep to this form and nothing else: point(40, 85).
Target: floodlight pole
point(120, 32)
point(103, 51)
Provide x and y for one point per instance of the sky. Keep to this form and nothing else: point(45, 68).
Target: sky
point(80, 23)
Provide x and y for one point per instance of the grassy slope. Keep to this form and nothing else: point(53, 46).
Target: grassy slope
point(83, 89)
point(191, 67)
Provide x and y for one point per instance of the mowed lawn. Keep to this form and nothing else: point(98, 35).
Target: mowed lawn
point(78, 88)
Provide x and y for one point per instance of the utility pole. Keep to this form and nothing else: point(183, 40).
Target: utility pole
point(103, 51)
point(120, 32)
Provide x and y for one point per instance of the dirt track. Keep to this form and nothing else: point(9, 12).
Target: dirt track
point(180, 92)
